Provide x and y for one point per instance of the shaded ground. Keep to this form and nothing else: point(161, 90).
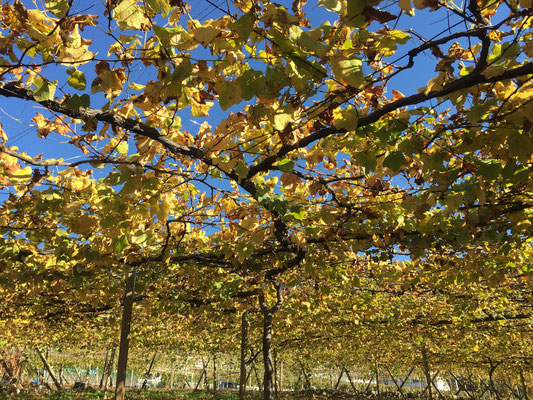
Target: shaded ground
point(154, 394)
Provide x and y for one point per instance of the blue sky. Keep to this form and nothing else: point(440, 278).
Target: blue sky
point(15, 115)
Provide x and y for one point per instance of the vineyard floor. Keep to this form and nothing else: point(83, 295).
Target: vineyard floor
point(222, 395)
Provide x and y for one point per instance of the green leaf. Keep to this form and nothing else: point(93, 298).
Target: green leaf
point(139, 238)
point(398, 36)
point(251, 83)
point(348, 70)
point(173, 82)
point(76, 79)
point(395, 161)
point(57, 7)
point(515, 173)
point(229, 94)
point(275, 79)
point(454, 201)
point(327, 216)
point(298, 215)
point(164, 34)
point(356, 7)
point(345, 119)
point(286, 165)
point(159, 6)
point(273, 202)
point(366, 160)
point(308, 69)
point(120, 244)
point(76, 101)
point(479, 111)
point(122, 147)
point(331, 5)
point(307, 42)
point(489, 169)
point(244, 26)
point(241, 169)
point(45, 89)
point(299, 76)
point(411, 145)
point(510, 51)
point(284, 42)
point(521, 146)
point(243, 250)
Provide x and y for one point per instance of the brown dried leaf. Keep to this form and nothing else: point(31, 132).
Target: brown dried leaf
point(382, 17)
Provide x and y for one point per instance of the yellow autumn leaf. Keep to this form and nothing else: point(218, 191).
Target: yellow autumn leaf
point(433, 85)
point(164, 209)
point(84, 224)
point(79, 184)
point(206, 34)
point(130, 15)
point(20, 175)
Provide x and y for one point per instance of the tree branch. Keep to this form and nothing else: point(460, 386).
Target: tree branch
point(459, 84)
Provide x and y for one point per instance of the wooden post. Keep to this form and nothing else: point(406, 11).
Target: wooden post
point(268, 315)
point(87, 376)
point(106, 360)
point(281, 376)
point(377, 377)
point(64, 380)
point(492, 368)
point(267, 353)
point(435, 385)
point(120, 389)
point(257, 380)
point(339, 379)
point(395, 383)
point(407, 377)
point(369, 383)
point(147, 373)
point(305, 375)
point(349, 378)
point(206, 379)
point(214, 372)
point(7, 368)
point(275, 354)
point(109, 369)
point(244, 349)
point(48, 369)
point(523, 382)
point(199, 380)
point(78, 375)
point(427, 372)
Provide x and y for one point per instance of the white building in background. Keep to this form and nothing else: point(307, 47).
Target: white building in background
point(152, 382)
point(441, 384)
